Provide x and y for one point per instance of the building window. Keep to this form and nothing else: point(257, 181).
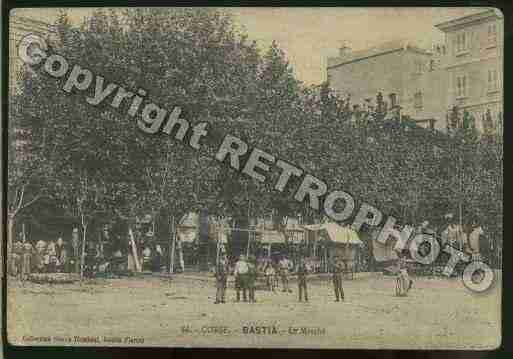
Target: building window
point(462, 40)
point(461, 86)
point(417, 100)
point(492, 34)
point(493, 80)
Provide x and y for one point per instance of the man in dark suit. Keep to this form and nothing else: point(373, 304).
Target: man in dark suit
point(252, 277)
point(241, 274)
point(336, 274)
point(221, 279)
point(302, 271)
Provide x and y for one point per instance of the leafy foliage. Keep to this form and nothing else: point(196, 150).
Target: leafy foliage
point(97, 164)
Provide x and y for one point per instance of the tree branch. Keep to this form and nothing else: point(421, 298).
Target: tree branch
point(20, 202)
point(37, 197)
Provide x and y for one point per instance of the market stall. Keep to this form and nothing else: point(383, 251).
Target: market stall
point(270, 238)
point(341, 241)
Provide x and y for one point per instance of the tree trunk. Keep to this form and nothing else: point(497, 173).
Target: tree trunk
point(173, 245)
point(138, 266)
point(10, 238)
point(82, 255)
point(203, 241)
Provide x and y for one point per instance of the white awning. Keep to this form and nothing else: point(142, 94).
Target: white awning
point(336, 233)
point(270, 237)
point(187, 234)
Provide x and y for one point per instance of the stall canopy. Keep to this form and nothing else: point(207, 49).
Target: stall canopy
point(336, 233)
point(188, 229)
point(270, 237)
point(187, 234)
point(221, 236)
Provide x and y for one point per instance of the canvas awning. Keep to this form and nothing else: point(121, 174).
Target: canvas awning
point(187, 234)
point(336, 233)
point(270, 237)
point(221, 236)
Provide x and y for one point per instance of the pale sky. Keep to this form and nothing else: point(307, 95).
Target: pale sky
point(309, 35)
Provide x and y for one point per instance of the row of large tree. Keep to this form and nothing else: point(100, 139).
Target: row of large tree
point(93, 162)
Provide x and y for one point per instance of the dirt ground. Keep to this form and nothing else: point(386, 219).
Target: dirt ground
point(153, 311)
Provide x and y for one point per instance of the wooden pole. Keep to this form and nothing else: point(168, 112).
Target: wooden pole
point(325, 258)
point(173, 245)
point(460, 205)
point(82, 256)
point(249, 241)
point(134, 250)
point(217, 249)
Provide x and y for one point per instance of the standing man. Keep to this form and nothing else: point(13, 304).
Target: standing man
point(27, 261)
point(474, 241)
point(52, 261)
point(179, 251)
point(404, 283)
point(336, 270)
point(270, 272)
point(241, 274)
point(39, 257)
point(252, 277)
point(62, 255)
point(284, 266)
point(17, 259)
point(302, 271)
point(221, 279)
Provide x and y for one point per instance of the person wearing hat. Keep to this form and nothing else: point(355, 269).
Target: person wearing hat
point(16, 259)
point(284, 266)
point(241, 273)
point(302, 271)
point(51, 259)
point(252, 277)
point(404, 283)
point(336, 275)
point(62, 255)
point(270, 273)
point(39, 257)
point(221, 275)
point(26, 261)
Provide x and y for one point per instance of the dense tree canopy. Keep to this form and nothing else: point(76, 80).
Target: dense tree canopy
point(99, 164)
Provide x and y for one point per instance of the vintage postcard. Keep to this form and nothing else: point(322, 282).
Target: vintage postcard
point(255, 177)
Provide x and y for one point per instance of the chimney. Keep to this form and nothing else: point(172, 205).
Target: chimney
point(393, 99)
point(344, 50)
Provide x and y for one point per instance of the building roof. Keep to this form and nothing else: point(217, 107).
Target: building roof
point(337, 233)
point(30, 25)
point(382, 49)
point(458, 23)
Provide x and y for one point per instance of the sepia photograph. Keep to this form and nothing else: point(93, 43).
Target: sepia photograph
point(267, 177)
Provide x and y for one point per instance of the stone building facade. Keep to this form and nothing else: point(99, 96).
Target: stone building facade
point(474, 65)
point(465, 71)
point(18, 28)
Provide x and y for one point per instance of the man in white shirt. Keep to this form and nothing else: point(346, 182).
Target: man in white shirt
point(473, 241)
point(454, 236)
point(284, 265)
point(241, 273)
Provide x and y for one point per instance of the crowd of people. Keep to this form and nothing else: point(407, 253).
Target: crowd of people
point(246, 272)
point(250, 272)
point(43, 257)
